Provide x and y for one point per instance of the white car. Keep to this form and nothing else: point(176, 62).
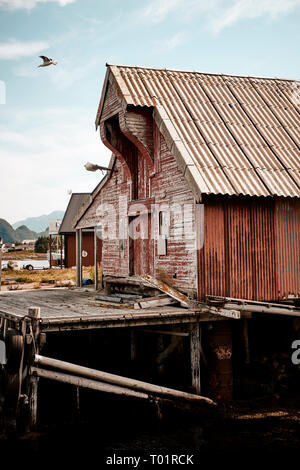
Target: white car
point(31, 264)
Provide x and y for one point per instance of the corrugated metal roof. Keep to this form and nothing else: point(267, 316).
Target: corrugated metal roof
point(230, 134)
point(75, 203)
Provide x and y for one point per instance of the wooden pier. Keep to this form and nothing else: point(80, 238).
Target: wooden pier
point(27, 317)
point(65, 309)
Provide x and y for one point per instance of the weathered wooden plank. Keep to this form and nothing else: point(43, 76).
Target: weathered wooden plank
point(108, 298)
point(162, 286)
point(157, 301)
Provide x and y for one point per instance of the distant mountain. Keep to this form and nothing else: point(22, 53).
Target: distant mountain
point(39, 224)
point(7, 233)
point(24, 233)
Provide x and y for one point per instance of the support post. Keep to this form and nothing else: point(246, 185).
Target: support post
point(61, 252)
point(245, 334)
point(195, 348)
point(1, 244)
point(34, 313)
point(96, 257)
point(79, 257)
point(50, 251)
point(133, 344)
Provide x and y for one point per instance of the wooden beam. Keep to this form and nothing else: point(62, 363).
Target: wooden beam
point(246, 309)
point(119, 380)
point(86, 383)
point(165, 332)
point(195, 357)
point(85, 322)
point(166, 289)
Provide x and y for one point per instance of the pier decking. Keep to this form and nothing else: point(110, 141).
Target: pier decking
point(64, 309)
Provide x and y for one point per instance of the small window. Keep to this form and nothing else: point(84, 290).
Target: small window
point(164, 223)
point(163, 232)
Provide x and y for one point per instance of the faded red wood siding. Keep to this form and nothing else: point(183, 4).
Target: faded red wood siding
point(87, 245)
point(114, 259)
point(179, 265)
point(111, 104)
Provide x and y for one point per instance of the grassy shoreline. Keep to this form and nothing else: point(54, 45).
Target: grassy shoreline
point(23, 276)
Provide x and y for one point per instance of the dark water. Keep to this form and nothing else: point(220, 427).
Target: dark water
point(120, 428)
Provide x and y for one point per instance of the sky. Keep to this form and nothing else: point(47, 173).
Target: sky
point(47, 115)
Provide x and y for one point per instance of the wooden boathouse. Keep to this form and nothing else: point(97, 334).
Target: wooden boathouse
point(213, 158)
point(200, 205)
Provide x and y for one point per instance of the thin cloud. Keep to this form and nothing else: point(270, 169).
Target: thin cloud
point(29, 4)
point(157, 10)
point(68, 74)
point(14, 49)
point(235, 11)
point(219, 14)
point(174, 41)
point(90, 19)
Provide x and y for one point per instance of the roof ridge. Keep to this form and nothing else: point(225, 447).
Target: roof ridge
point(202, 73)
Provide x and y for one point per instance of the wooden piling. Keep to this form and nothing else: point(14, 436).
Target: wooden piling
point(34, 314)
point(79, 258)
point(195, 348)
point(245, 335)
point(133, 344)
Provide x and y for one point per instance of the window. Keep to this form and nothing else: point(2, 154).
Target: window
point(163, 232)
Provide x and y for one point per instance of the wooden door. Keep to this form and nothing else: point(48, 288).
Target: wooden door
point(141, 247)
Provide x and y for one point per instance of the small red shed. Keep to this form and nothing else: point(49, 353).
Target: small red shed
point(66, 229)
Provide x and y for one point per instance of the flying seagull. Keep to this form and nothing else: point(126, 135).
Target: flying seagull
point(47, 61)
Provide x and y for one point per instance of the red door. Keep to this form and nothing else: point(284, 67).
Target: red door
point(141, 246)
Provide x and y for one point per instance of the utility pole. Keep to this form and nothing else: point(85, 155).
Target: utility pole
point(1, 244)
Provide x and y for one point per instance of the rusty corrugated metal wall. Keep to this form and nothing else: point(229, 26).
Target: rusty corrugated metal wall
point(251, 248)
point(287, 219)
